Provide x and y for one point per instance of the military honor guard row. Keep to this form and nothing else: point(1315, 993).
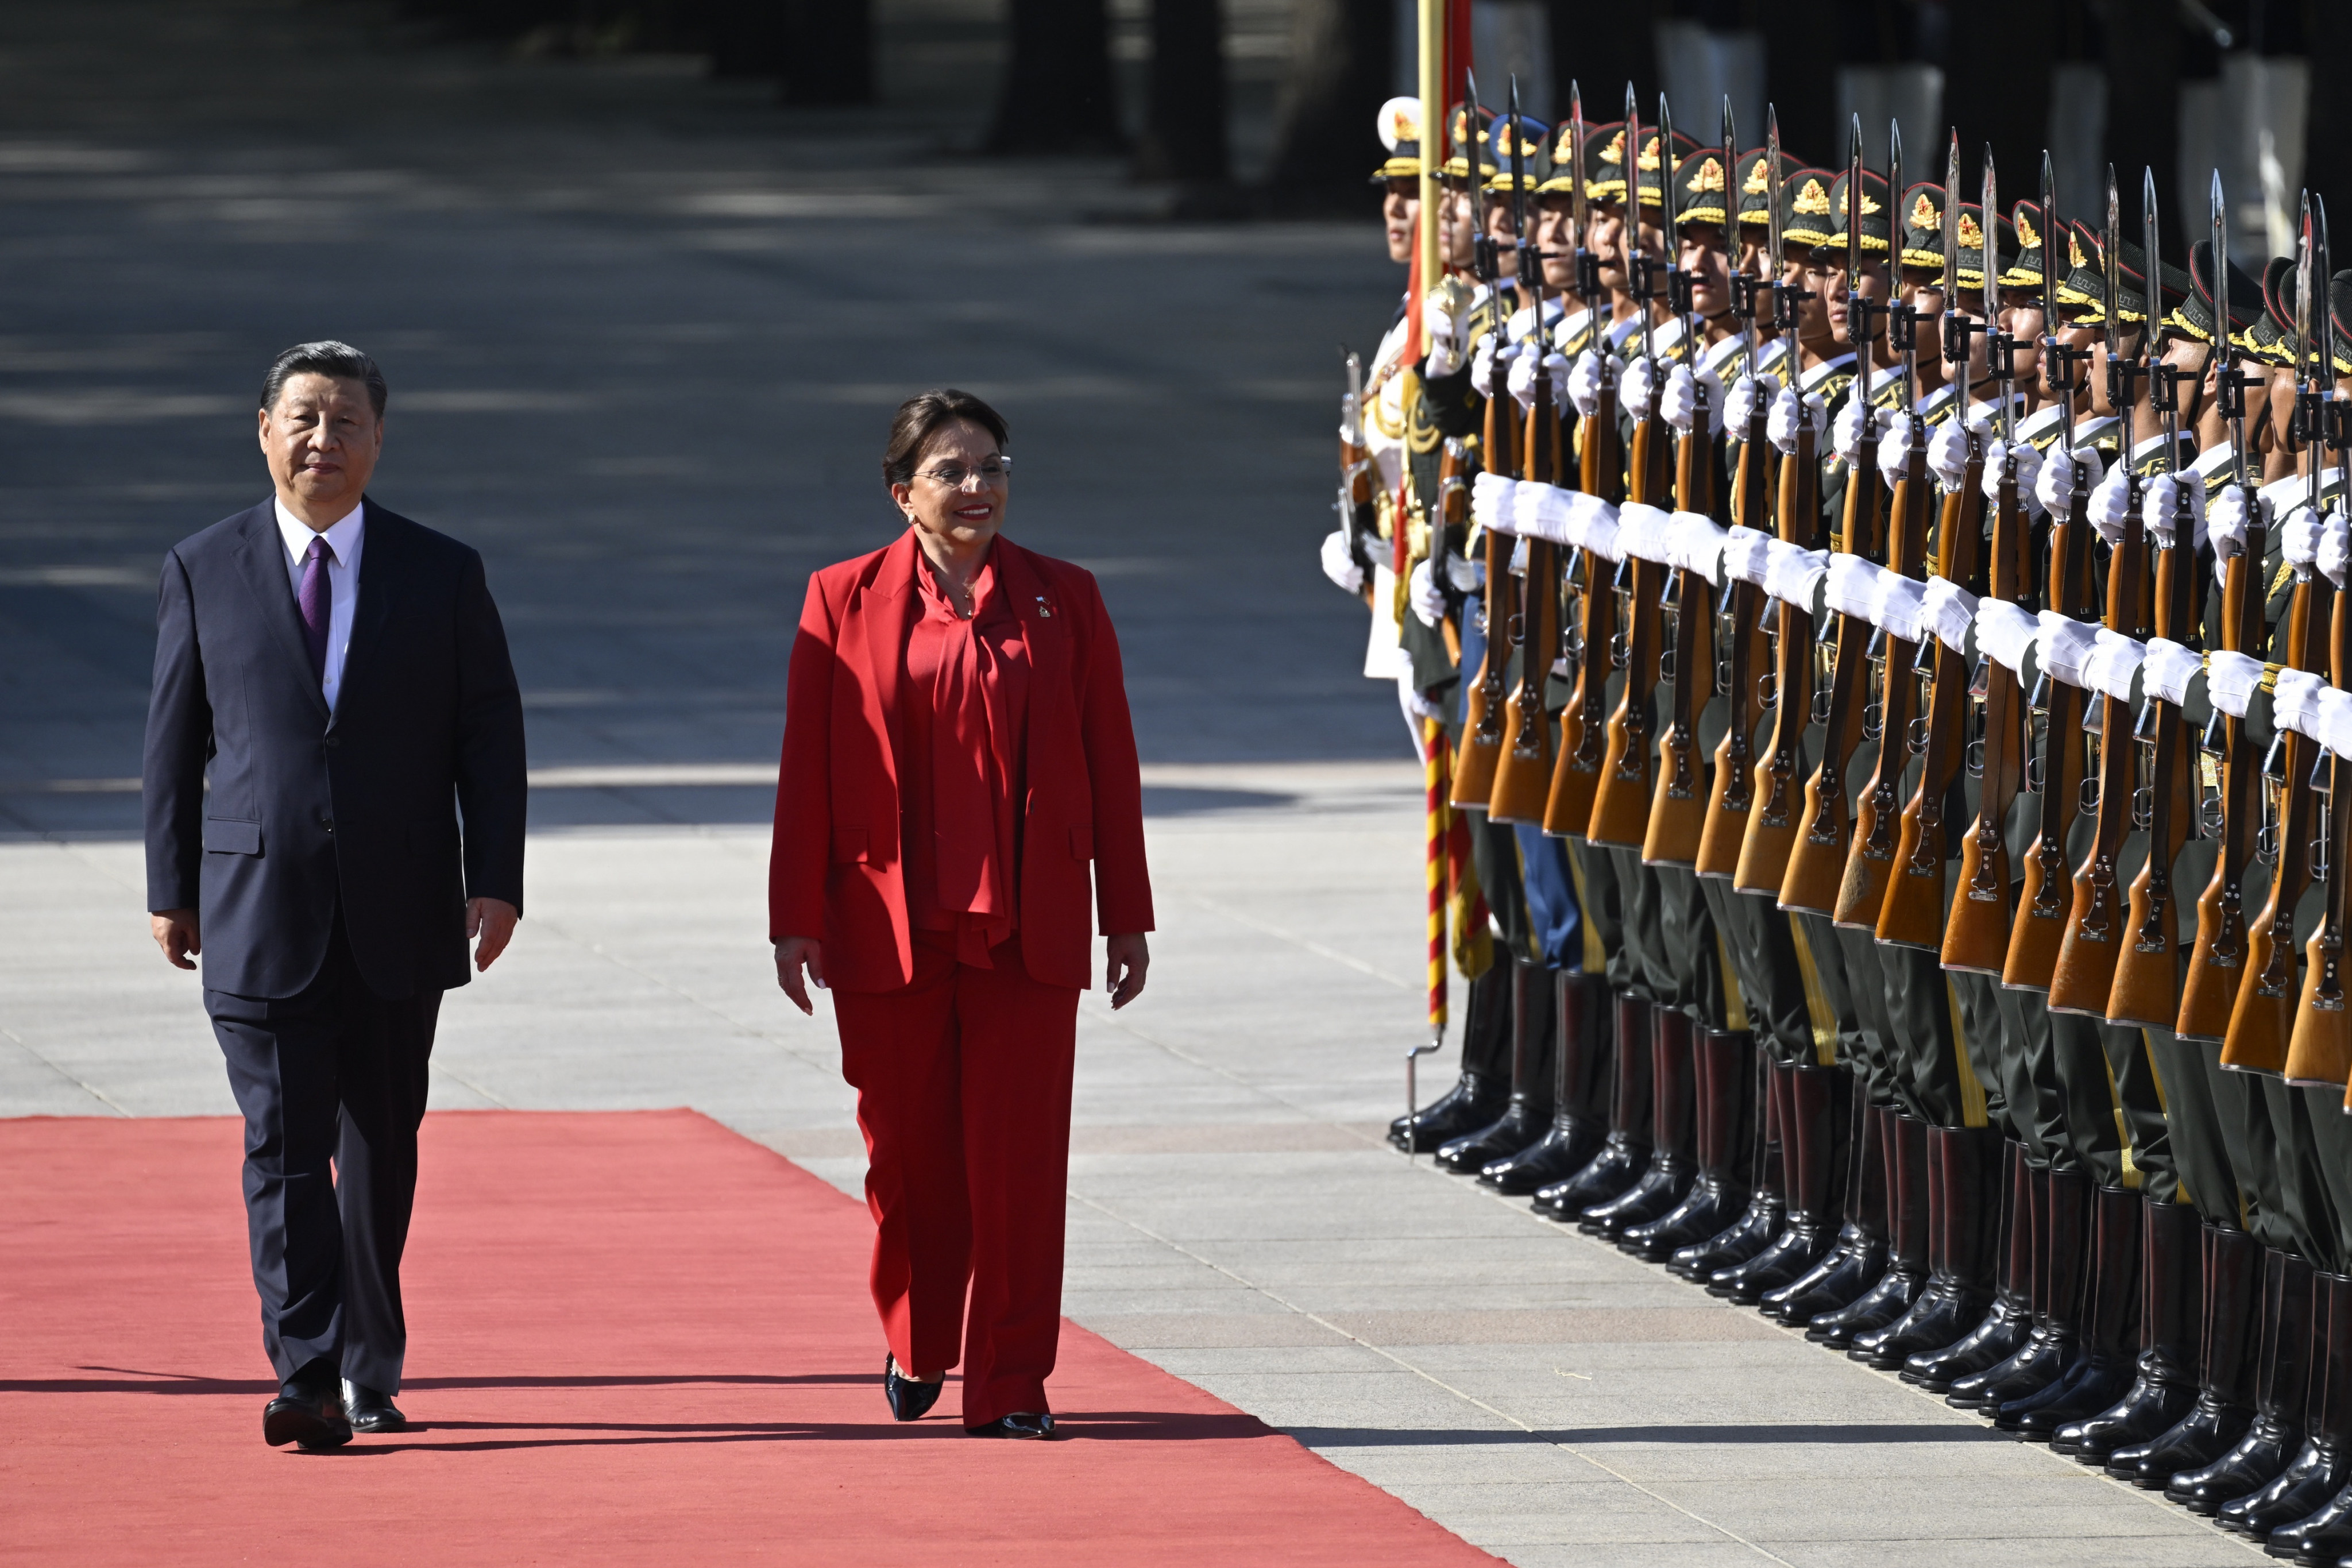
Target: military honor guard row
point(1879, 652)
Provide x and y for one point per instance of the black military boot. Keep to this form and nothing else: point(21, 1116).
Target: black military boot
point(1963, 1203)
point(2105, 1367)
point(1625, 1153)
point(2166, 1383)
point(2324, 1535)
point(2062, 1212)
point(1723, 1060)
point(1814, 1108)
point(1905, 1142)
point(1527, 1115)
point(2230, 1345)
point(1850, 1268)
point(1753, 1231)
point(1673, 1131)
point(2004, 1329)
point(2302, 1492)
point(2276, 1431)
point(1580, 1109)
point(1485, 1087)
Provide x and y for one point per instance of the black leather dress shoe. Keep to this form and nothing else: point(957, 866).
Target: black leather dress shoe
point(308, 1415)
point(910, 1400)
point(1021, 1423)
point(369, 1410)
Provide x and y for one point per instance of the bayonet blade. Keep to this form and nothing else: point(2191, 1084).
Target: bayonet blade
point(1952, 226)
point(1989, 198)
point(2222, 333)
point(1577, 213)
point(2150, 238)
point(1893, 193)
point(2051, 230)
point(1772, 175)
point(2303, 291)
point(2114, 259)
point(1530, 287)
point(2324, 307)
point(1853, 231)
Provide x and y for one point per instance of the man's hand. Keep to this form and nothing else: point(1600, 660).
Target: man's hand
point(175, 932)
point(791, 955)
point(493, 920)
point(1130, 956)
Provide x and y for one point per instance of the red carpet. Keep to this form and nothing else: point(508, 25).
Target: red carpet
point(635, 1338)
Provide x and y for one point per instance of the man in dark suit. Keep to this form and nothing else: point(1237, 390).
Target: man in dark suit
point(338, 676)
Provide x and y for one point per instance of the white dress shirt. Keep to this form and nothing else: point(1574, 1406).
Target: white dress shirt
point(344, 540)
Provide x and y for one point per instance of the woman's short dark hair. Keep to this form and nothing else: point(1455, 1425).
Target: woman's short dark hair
point(918, 419)
point(326, 357)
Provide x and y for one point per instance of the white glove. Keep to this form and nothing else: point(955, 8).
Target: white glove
point(1739, 404)
point(2228, 519)
point(2110, 498)
point(1339, 564)
point(1422, 594)
point(1584, 383)
point(1445, 338)
point(1523, 377)
point(1482, 361)
point(1895, 447)
point(1679, 401)
point(2157, 510)
point(2299, 538)
point(1846, 439)
point(1948, 448)
point(2335, 545)
point(1780, 424)
point(2029, 469)
point(2055, 485)
point(1641, 381)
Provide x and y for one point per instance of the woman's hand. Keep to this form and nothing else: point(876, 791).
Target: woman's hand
point(795, 951)
point(1130, 956)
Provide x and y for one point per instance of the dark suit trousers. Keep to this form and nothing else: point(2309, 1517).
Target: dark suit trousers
point(333, 1083)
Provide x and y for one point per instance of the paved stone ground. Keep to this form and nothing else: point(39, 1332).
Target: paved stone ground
point(642, 333)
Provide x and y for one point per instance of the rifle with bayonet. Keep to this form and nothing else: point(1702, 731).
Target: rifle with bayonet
point(2217, 959)
point(1621, 804)
point(1742, 609)
point(1977, 927)
point(1523, 773)
point(1912, 912)
point(2319, 1052)
point(1583, 734)
point(1486, 699)
point(1678, 809)
point(2147, 988)
point(2045, 902)
point(1817, 861)
point(2082, 979)
point(1773, 825)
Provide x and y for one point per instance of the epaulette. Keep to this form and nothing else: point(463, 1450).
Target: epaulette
point(1940, 404)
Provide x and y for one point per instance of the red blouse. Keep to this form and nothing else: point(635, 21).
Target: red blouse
point(966, 715)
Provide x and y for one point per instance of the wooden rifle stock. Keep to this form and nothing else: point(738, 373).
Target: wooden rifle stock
point(2319, 1054)
point(1523, 773)
point(1583, 724)
point(1977, 927)
point(2044, 903)
point(2261, 1023)
point(2147, 988)
point(1912, 913)
point(1679, 807)
point(1731, 800)
point(1773, 825)
point(1620, 806)
point(2083, 977)
point(1484, 709)
point(1817, 859)
point(2216, 955)
point(1877, 823)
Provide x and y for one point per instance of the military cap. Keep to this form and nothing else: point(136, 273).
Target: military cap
point(1753, 174)
point(2271, 339)
point(1923, 226)
point(1967, 267)
point(1876, 222)
point(1604, 162)
point(1458, 167)
point(1807, 215)
point(2196, 313)
point(1699, 187)
point(1400, 129)
point(2026, 272)
point(1653, 169)
point(2339, 310)
point(1561, 182)
point(2082, 278)
point(2089, 284)
point(1533, 135)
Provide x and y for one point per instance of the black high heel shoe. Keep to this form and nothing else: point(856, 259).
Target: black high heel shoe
point(1019, 1424)
point(910, 1400)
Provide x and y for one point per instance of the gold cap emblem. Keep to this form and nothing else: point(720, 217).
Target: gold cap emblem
point(1971, 232)
point(1811, 199)
point(1924, 214)
point(1707, 176)
point(2026, 238)
point(1759, 179)
point(2074, 251)
point(1648, 162)
point(1615, 151)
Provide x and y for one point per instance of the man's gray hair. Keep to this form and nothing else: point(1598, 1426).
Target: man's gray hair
point(326, 357)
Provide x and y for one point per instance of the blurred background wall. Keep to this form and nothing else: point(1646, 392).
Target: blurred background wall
point(1254, 106)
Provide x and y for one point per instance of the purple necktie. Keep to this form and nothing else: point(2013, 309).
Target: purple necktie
point(318, 602)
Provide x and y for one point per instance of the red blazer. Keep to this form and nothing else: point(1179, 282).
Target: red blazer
point(835, 871)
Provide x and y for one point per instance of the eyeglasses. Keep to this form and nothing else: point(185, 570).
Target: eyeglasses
point(990, 474)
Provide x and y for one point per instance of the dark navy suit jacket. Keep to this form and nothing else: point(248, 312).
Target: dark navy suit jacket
point(309, 809)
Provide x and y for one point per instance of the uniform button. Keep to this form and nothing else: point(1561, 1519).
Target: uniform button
point(328, 822)
point(335, 740)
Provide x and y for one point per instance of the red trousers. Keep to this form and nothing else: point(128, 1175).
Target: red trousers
point(964, 1094)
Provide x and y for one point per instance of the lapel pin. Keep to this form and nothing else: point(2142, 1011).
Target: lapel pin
point(1045, 610)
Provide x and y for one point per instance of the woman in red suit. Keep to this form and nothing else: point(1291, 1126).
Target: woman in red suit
point(956, 758)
